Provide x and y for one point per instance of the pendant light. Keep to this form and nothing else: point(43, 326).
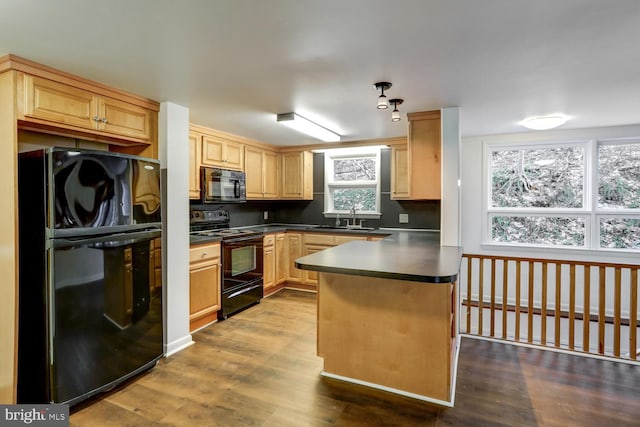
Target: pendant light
point(383, 104)
point(395, 114)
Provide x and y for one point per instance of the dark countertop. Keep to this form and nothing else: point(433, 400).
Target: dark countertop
point(404, 254)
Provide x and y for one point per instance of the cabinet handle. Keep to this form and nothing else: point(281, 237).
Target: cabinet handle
point(96, 118)
point(104, 120)
point(204, 254)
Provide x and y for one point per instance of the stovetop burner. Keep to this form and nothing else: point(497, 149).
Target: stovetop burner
point(228, 233)
point(215, 223)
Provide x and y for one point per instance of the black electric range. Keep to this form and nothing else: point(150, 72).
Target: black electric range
point(242, 259)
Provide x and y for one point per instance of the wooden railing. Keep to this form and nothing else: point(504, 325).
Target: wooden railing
point(593, 306)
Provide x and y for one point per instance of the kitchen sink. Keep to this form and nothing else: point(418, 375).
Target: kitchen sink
point(341, 227)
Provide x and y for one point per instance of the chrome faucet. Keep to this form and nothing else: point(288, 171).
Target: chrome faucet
point(352, 212)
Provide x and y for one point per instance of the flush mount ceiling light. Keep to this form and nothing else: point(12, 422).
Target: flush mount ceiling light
point(308, 127)
point(544, 122)
point(382, 99)
point(395, 114)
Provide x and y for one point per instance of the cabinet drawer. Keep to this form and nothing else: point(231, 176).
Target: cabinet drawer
point(269, 239)
point(204, 252)
point(320, 239)
point(344, 239)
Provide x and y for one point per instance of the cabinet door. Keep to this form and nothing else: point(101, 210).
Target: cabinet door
point(282, 260)
point(194, 165)
point(204, 295)
point(311, 277)
point(297, 175)
point(424, 155)
point(254, 166)
point(223, 153)
point(234, 155)
point(212, 151)
point(399, 172)
point(124, 119)
point(59, 103)
point(294, 251)
point(269, 276)
point(204, 284)
point(270, 175)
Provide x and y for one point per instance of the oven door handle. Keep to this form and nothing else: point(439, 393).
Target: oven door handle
point(258, 239)
point(242, 291)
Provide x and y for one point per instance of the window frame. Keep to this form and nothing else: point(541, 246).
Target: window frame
point(590, 212)
point(330, 186)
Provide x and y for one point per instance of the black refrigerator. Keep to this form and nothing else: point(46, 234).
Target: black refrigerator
point(90, 276)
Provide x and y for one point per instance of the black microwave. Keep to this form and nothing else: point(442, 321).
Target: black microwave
point(222, 185)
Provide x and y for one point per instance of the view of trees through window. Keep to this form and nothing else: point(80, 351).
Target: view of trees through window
point(538, 195)
point(352, 181)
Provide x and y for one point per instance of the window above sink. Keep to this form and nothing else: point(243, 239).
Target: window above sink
point(352, 183)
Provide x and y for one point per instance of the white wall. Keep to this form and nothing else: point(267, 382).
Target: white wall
point(472, 193)
point(450, 203)
point(173, 141)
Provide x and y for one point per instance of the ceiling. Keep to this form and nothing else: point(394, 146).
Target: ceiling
point(236, 64)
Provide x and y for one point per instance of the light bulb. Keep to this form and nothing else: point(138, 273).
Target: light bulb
point(395, 115)
point(383, 104)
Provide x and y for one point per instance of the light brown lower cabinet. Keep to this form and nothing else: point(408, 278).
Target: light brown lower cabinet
point(282, 260)
point(269, 262)
point(316, 242)
point(204, 284)
point(294, 251)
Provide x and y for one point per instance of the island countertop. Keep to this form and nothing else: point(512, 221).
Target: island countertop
point(403, 255)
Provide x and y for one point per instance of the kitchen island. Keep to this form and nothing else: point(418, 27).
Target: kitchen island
point(387, 314)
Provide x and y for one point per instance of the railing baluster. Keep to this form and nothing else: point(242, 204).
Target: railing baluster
point(572, 306)
point(480, 296)
point(543, 309)
point(558, 305)
point(530, 304)
point(492, 302)
point(518, 296)
point(505, 278)
point(633, 315)
point(601, 310)
point(586, 309)
point(573, 314)
point(469, 279)
point(616, 312)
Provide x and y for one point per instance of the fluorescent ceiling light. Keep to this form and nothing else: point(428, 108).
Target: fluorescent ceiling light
point(308, 127)
point(544, 122)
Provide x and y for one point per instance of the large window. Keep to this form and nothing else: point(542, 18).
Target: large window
point(352, 180)
point(582, 194)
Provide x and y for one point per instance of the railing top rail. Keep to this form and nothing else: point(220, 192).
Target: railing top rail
point(553, 261)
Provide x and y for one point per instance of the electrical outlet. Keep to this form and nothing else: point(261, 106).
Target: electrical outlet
point(403, 219)
point(265, 215)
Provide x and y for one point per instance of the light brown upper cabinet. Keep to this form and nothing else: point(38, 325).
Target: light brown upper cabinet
point(194, 165)
point(422, 179)
point(261, 170)
point(400, 172)
point(72, 108)
point(296, 175)
point(221, 152)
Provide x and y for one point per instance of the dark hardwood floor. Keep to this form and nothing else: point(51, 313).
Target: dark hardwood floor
point(259, 368)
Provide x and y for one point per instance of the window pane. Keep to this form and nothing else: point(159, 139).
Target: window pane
point(621, 233)
point(539, 230)
point(619, 171)
point(538, 178)
point(364, 199)
point(363, 169)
